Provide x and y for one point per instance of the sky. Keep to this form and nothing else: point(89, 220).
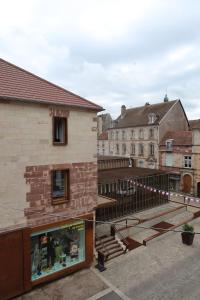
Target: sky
point(112, 52)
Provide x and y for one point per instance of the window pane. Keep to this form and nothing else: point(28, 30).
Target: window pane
point(58, 183)
point(56, 249)
point(59, 130)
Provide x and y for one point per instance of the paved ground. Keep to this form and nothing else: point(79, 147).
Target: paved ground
point(165, 269)
point(79, 286)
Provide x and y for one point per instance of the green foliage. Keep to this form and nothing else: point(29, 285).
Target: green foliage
point(188, 228)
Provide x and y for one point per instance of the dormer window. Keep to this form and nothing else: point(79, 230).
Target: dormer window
point(152, 118)
point(169, 145)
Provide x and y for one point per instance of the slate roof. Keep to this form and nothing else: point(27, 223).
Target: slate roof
point(180, 138)
point(138, 116)
point(19, 84)
point(194, 124)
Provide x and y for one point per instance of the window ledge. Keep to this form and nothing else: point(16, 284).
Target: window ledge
point(59, 143)
point(59, 200)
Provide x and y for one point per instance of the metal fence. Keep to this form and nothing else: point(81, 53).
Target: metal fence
point(133, 195)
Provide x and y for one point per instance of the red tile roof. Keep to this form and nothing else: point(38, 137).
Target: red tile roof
point(180, 138)
point(19, 84)
point(103, 136)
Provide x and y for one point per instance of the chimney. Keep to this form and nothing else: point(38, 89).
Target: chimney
point(147, 103)
point(123, 111)
point(166, 99)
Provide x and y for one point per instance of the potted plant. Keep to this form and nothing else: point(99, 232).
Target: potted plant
point(187, 234)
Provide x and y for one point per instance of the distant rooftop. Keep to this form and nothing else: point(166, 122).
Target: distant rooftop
point(194, 124)
point(180, 138)
point(139, 116)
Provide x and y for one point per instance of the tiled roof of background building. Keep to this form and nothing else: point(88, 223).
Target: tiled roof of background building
point(103, 136)
point(194, 124)
point(180, 138)
point(139, 116)
point(19, 84)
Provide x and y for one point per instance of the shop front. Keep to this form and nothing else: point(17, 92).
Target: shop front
point(38, 254)
point(60, 249)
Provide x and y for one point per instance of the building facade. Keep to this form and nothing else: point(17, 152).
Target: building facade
point(195, 127)
point(48, 177)
point(176, 157)
point(138, 131)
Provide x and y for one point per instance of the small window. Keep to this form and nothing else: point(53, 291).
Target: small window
point(117, 148)
point(151, 149)
point(151, 133)
point(187, 161)
point(132, 149)
point(141, 134)
point(169, 145)
point(117, 135)
point(123, 149)
point(59, 131)
point(132, 134)
point(60, 185)
point(123, 135)
point(141, 149)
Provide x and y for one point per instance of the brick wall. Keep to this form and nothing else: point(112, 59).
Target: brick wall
point(83, 190)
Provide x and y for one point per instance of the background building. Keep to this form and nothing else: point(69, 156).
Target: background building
point(138, 131)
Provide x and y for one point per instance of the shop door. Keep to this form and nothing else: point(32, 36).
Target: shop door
point(187, 183)
point(198, 189)
point(11, 260)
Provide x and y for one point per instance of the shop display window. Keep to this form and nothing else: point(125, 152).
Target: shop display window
point(56, 249)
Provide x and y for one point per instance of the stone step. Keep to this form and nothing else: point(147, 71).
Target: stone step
point(104, 240)
point(105, 244)
point(107, 247)
point(110, 252)
point(115, 255)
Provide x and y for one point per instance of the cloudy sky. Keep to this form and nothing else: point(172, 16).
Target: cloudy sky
point(112, 52)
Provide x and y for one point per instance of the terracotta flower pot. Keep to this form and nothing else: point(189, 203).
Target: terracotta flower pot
point(187, 237)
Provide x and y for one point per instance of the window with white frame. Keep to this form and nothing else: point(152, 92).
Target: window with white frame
point(141, 149)
point(151, 149)
point(141, 133)
point(132, 150)
point(187, 161)
point(152, 118)
point(132, 134)
point(151, 133)
point(123, 149)
point(168, 144)
point(117, 135)
point(117, 148)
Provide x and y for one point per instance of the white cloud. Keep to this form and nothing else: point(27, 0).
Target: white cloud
point(113, 52)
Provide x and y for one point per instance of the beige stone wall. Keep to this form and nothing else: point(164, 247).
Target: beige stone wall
point(26, 140)
point(129, 139)
point(196, 157)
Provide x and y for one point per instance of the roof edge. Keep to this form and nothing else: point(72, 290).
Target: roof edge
point(35, 101)
point(49, 82)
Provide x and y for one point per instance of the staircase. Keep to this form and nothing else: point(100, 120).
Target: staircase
point(109, 246)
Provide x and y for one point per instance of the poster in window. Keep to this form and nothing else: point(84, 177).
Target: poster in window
point(56, 249)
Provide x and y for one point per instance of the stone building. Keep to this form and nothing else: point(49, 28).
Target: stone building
point(176, 157)
point(195, 127)
point(104, 122)
point(48, 179)
point(138, 131)
point(102, 144)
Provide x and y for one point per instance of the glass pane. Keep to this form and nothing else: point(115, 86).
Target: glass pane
point(59, 130)
point(58, 183)
point(57, 249)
